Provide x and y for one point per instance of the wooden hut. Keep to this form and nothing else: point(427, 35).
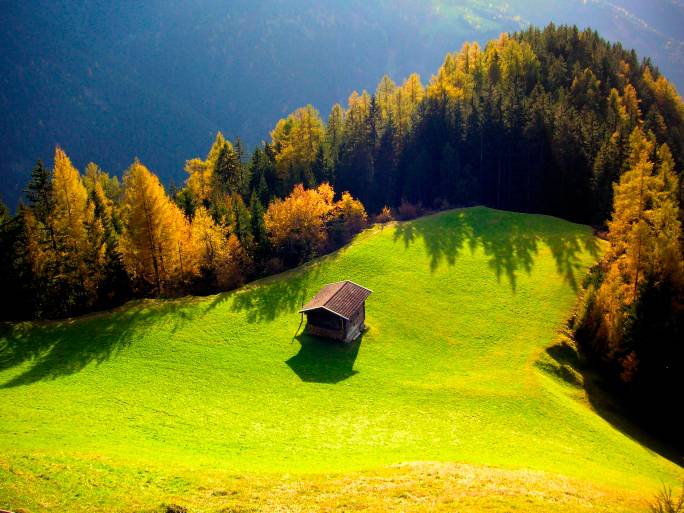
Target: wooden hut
point(338, 311)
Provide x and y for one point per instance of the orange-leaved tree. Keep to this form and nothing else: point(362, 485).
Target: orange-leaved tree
point(644, 234)
point(296, 226)
point(154, 243)
point(66, 248)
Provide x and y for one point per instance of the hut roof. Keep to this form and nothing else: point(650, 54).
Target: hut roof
point(342, 298)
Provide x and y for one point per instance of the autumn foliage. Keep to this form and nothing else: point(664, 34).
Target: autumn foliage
point(555, 121)
point(300, 225)
point(88, 241)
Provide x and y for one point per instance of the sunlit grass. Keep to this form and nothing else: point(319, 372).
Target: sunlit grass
point(209, 402)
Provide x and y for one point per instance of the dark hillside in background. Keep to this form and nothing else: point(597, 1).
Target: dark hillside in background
point(156, 80)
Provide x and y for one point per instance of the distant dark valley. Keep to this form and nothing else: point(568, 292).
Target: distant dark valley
point(109, 82)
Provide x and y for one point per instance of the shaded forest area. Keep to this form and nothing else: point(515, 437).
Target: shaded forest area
point(555, 121)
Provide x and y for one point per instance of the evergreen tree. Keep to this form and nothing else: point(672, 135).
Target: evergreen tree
point(320, 169)
point(39, 192)
point(227, 173)
point(259, 236)
point(385, 170)
point(78, 250)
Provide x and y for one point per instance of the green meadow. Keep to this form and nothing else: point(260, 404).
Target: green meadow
point(462, 393)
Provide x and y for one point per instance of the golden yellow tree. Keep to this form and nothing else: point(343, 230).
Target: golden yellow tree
point(347, 218)
point(644, 234)
point(186, 249)
point(456, 77)
point(152, 241)
point(296, 225)
point(79, 238)
point(217, 252)
point(385, 94)
point(664, 217)
point(629, 236)
point(351, 213)
point(201, 181)
point(631, 102)
point(296, 140)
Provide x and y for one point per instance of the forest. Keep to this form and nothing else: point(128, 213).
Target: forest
point(555, 121)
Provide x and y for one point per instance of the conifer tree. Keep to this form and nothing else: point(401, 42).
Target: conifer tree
point(151, 244)
point(115, 284)
point(40, 245)
point(334, 133)
point(201, 180)
point(39, 192)
point(227, 173)
point(241, 226)
point(78, 234)
point(219, 256)
point(644, 233)
point(259, 236)
point(384, 94)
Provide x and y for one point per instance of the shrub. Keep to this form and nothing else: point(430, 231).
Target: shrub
point(408, 210)
point(666, 502)
point(385, 215)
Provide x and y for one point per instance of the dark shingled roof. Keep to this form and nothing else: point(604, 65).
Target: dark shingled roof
point(342, 298)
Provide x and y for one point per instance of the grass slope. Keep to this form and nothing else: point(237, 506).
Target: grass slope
point(209, 402)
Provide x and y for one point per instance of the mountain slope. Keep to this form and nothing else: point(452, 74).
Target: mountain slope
point(208, 401)
point(155, 80)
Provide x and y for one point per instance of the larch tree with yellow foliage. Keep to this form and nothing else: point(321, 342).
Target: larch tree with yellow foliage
point(219, 256)
point(153, 242)
point(644, 235)
point(296, 141)
point(201, 181)
point(73, 258)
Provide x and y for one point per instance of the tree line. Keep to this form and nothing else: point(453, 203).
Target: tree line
point(86, 241)
point(552, 120)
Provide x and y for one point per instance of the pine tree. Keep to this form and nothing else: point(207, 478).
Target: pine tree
point(320, 168)
point(385, 169)
point(256, 214)
point(39, 192)
point(41, 244)
point(115, 284)
point(334, 134)
point(227, 173)
point(242, 226)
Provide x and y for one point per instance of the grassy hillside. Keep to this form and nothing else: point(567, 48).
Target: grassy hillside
point(458, 395)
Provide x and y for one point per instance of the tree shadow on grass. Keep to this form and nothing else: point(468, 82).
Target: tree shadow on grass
point(510, 240)
point(573, 368)
point(285, 293)
point(60, 348)
point(268, 299)
point(321, 360)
